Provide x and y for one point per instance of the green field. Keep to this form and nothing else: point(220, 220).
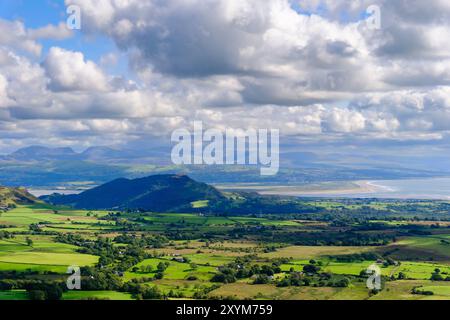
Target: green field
point(175, 271)
point(49, 258)
point(438, 290)
point(101, 295)
point(13, 295)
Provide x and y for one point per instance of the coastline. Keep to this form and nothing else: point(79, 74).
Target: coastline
point(360, 187)
point(340, 188)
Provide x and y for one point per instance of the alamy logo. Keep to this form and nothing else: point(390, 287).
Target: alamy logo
point(374, 19)
point(374, 280)
point(74, 280)
point(232, 147)
point(74, 18)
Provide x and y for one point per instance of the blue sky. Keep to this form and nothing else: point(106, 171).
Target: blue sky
point(36, 13)
point(40, 13)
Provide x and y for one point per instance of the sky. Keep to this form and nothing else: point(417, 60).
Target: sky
point(317, 70)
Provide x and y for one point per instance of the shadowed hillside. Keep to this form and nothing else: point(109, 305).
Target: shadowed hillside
point(155, 193)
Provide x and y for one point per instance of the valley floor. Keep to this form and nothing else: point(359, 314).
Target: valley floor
point(196, 256)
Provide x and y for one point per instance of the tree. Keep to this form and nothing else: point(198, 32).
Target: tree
point(309, 268)
point(152, 293)
point(162, 266)
point(343, 283)
point(262, 279)
point(224, 277)
point(436, 277)
point(29, 241)
point(44, 291)
point(147, 269)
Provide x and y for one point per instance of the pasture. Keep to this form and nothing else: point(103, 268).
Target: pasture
point(210, 243)
point(175, 271)
point(313, 252)
point(98, 295)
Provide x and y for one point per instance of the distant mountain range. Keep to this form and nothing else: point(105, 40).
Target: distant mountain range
point(39, 166)
point(39, 153)
point(160, 193)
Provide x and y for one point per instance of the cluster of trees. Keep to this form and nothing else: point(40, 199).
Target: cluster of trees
point(94, 279)
point(357, 257)
point(143, 292)
point(154, 241)
point(6, 235)
point(35, 228)
point(122, 258)
point(242, 268)
point(159, 272)
point(299, 279)
point(310, 276)
point(36, 289)
point(330, 238)
point(438, 276)
point(230, 273)
point(44, 290)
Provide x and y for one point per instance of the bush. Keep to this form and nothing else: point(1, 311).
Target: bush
point(436, 277)
point(310, 268)
point(343, 283)
point(223, 278)
point(44, 291)
point(151, 293)
point(262, 279)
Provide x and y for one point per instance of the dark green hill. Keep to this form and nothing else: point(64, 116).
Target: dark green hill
point(161, 193)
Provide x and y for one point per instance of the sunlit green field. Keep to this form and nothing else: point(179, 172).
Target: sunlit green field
point(102, 295)
point(43, 251)
point(210, 259)
point(26, 215)
point(22, 267)
point(13, 295)
point(412, 270)
point(44, 254)
point(175, 271)
point(402, 290)
point(438, 290)
point(310, 252)
point(50, 258)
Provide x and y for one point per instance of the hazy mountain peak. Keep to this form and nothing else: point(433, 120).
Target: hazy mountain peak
point(42, 153)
